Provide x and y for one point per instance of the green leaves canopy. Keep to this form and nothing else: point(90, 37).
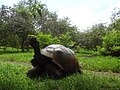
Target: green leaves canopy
point(111, 43)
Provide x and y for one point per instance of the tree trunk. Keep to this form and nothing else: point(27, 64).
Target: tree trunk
point(22, 46)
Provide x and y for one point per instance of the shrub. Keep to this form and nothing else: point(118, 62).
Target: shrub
point(47, 39)
point(111, 43)
point(66, 40)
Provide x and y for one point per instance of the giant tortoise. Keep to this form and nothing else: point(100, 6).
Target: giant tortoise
point(55, 61)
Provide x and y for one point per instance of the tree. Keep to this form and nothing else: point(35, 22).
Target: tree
point(4, 16)
point(115, 18)
point(25, 19)
point(111, 43)
point(50, 23)
point(92, 37)
point(23, 24)
point(18, 22)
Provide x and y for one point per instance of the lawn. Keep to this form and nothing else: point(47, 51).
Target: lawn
point(99, 73)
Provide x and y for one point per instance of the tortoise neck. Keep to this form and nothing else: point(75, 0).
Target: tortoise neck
point(37, 50)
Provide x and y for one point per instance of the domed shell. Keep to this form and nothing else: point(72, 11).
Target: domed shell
point(62, 56)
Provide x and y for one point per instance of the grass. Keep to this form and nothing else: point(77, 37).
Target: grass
point(13, 68)
point(101, 63)
point(18, 57)
point(13, 77)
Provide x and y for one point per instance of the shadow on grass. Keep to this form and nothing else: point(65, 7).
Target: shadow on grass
point(9, 52)
point(12, 52)
point(85, 52)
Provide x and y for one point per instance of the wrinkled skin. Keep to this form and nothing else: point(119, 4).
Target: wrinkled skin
point(43, 66)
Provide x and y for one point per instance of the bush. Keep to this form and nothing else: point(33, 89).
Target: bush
point(66, 40)
point(111, 43)
point(47, 39)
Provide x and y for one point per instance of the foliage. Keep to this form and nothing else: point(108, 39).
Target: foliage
point(34, 7)
point(116, 24)
point(115, 18)
point(46, 39)
point(3, 25)
point(66, 40)
point(111, 43)
point(32, 17)
point(17, 24)
point(115, 14)
point(92, 37)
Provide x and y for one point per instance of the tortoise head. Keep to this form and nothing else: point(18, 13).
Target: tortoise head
point(33, 42)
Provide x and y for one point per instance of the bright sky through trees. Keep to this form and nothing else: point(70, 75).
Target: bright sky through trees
point(82, 13)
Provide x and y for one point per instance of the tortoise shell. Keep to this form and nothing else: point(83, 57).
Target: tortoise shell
point(62, 56)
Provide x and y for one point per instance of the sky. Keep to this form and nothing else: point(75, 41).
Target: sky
point(82, 13)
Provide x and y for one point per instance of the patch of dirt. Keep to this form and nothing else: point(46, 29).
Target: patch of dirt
point(103, 73)
point(19, 63)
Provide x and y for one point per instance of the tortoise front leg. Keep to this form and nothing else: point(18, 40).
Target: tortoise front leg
point(52, 71)
point(35, 72)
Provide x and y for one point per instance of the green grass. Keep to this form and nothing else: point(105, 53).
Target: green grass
point(101, 63)
point(18, 57)
point(86, 53)
point(13, 55)
point(14, 66)
point(13, 77)
point(88, 61)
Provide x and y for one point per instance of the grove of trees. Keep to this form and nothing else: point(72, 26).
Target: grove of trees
point(31, 18)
